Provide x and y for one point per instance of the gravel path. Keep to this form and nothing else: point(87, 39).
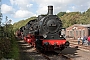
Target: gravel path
point(28, 53)
point(82, 55)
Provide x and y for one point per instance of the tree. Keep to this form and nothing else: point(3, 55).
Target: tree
point(61, 14)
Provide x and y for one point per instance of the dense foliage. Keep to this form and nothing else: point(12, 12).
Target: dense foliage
point(71, 18)
point(21, 23)
point(8, 42)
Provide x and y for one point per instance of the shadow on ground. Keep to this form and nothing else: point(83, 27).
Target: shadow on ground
point(23, 50)
point(71, 51)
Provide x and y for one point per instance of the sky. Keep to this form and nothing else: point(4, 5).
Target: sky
point(17, 10)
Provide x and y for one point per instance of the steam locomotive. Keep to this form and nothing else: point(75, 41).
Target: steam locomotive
point(44, 33)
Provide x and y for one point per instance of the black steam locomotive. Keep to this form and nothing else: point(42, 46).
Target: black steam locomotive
point(45, 32)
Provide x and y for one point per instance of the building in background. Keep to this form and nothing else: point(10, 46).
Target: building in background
point(78, 30)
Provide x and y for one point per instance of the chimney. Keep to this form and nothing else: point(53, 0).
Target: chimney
point(50, 10)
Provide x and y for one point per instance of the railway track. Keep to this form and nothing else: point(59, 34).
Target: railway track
point(54, 56)
point(81, 47)
point(65, 56)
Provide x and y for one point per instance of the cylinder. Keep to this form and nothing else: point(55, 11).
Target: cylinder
point(50, 10)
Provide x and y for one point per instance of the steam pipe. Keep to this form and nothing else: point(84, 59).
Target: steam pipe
point(50, 10)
